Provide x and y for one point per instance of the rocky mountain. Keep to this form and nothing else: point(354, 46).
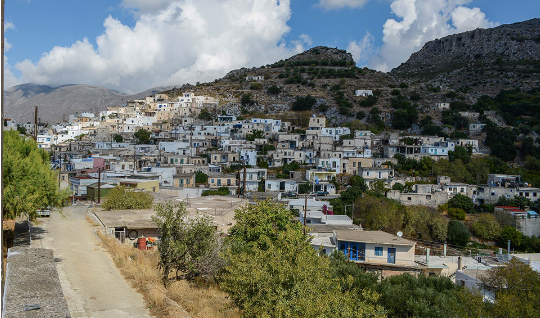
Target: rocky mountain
point(458, 68)
point(55, 103)
point(483, 60)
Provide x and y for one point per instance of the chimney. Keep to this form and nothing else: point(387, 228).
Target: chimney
point(459, 264)
point(427, 257)
point(444, 250)
point(508, 247)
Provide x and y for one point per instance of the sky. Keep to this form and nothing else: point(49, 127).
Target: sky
point(133, 45)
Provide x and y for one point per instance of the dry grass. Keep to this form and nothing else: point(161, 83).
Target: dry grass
point(202, 301)
point(179, 299)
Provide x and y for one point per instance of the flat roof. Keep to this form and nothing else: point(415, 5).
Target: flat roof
point(372, 237)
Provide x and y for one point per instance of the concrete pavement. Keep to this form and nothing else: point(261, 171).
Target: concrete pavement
point(92, 285)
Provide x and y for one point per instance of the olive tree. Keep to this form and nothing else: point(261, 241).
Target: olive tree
point(188, 245)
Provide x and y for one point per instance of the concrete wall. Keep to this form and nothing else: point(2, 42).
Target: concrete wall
point(404, 254)
point(31, 278)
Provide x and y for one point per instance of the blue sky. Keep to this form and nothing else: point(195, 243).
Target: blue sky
point(132, 45)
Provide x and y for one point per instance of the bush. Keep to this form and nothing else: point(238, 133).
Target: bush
point(304, 103)
point(458, 233)
point(457, 213)
point(398, 186)
point(220, 191)
point(462, 202)
point(256, 86)
point(487, 227)
point(201, 177)
point(120, 198)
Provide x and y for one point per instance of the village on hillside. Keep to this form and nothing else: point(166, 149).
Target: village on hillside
point(176, 149)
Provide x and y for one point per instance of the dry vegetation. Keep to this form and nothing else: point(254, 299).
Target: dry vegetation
point(178, 299)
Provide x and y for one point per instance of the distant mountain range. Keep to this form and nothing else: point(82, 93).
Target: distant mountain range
point(471, 64)
point(56, 103)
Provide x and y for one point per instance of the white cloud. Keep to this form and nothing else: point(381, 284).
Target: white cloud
point(340, 4)
point(423, 21)
point(361, 50)
point(8, 25)
point(172, 42)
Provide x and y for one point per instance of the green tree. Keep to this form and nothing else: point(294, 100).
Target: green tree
point(205, 115)
point(463, 202)
point(118, 138)
point(458, 233)
point(515, 283)
point(120, 198)
point(273, 271)
point(188, 245)
point(457, 214)
point(143, 136)
point(201, 177)
point(487, 227)
point(460, 153)
point(304, 103)
point(29, 182)
point(246, 100)
point(21, 130)
point(273, 90)
point(424, 296)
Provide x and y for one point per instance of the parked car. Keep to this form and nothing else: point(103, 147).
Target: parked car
point(288, 195)
point(321, 193)
point(44, 212)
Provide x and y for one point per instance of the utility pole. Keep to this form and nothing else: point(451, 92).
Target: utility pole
point(99, 186)
point(245, 179)
point(305, 213)
point(35, 124)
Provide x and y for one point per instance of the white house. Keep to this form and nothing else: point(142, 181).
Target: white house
point(255, 78)
point(363, 92)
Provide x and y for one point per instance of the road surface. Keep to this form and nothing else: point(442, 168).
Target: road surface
point(92, 285)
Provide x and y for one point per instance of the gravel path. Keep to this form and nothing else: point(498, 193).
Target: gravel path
point(92, 285)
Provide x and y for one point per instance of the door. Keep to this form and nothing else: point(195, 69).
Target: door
point(354, 251)
point(391, 255)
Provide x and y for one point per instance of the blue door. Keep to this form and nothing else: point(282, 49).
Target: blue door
point(391, 255)
point(354, 251)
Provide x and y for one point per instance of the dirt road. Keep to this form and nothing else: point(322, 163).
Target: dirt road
point(92, 285)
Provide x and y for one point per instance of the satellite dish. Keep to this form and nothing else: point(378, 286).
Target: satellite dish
point(400, 234)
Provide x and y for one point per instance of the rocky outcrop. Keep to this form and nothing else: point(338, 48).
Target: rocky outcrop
point(518, 42)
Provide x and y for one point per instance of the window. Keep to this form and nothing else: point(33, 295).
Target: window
point(378, 251)
point(212, 181)
point(187, 181)
point(428, 197)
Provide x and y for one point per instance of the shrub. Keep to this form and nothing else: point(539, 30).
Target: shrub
point(462, 202)
point(457, 213)
point(120, 198)
point(487, 227)
point(458, 233)
point(304, 103)
point(256, 86)
point(201, 177)
point(220, 191)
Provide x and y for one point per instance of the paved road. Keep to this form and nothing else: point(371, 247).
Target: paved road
point(92, 285)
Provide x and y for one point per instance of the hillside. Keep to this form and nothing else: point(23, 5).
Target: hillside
point(57, 102)
point(457, 69)
point(482, 61)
